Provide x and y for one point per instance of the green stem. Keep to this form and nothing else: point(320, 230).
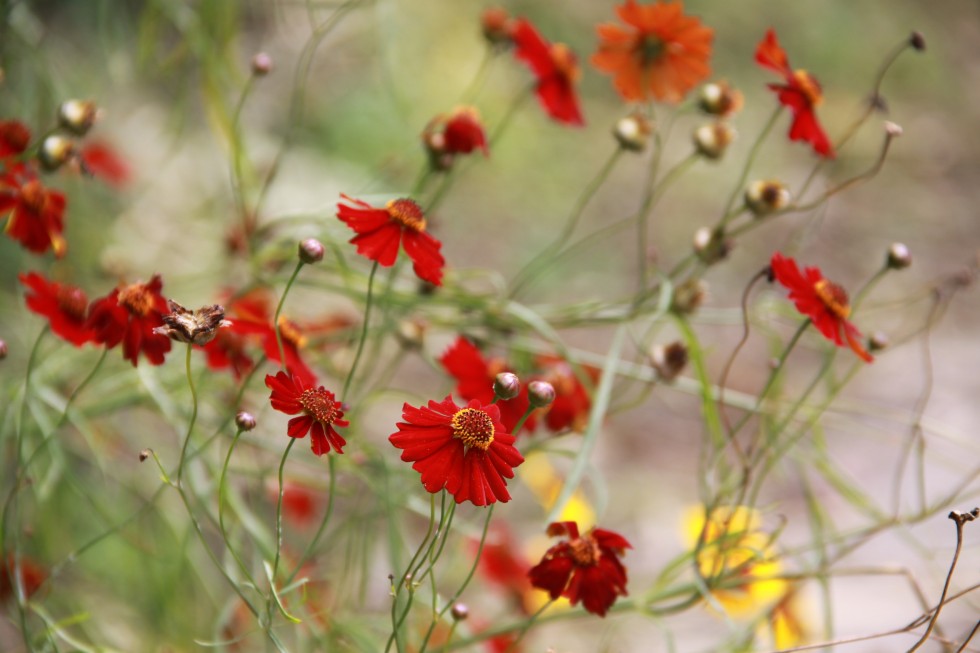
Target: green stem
point(364, 331)
point(275, 318)
point(730, 211)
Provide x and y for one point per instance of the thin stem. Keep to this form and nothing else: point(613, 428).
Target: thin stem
point(364, 331)
point(728, 212)
point(275, 318)
point(193, 419)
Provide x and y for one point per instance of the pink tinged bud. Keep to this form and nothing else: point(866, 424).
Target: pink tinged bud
point(893, 129)
point(540, 393)
point(261, 64)
point(311, 251)
point(917, 41)
point(899, 257)
point(506, 386)
point(460, 611)
point(878, 341)
point(245, 421)
point(3, 349)
point(144, 454)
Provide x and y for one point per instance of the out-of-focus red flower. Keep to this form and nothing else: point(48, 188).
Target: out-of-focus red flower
point(501, 564)
point(467, 451)
point(557, 71)
point(129, 315)
point(14, 138)
point(104, 162)
point(824, 302)
point(35, 214)
point(460, 132)
point(31, 576)
point(663, 53)
point(583, 568)
point(299, 501)
point(66, 307)
point(801, 93)
point(474, 380)
point(570, 409)
point(497, 26)
point(318, 409)
point(380, 231)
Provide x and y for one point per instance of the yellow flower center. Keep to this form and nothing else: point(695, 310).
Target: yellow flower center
point(585, 551)
point(320, 404)
point(564, 60)
point(809, 86)
point(34, 197)
point(407, 213)
point(834, 298)
point(474, 427)
point(72, 301)
point(136, 299)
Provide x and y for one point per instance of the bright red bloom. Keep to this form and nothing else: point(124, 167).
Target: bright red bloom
point(583, 568)
point(824, 302)
point(801, 93)
point(665, 53)
point(556, 68)
point(35, 213)
point(65, 307)
point(462, 131)
point(14, 138)
point(129, 315)
point(321, 411)
point(467, 451)
point(300, 502)
point(570, 409)
point(475, 376)
point(379, 232)
point(102, 161)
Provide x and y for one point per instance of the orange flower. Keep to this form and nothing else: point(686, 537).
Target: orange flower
point(665, 54)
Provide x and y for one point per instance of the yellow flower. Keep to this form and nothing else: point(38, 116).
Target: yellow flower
point(785, 625)
point(545, 484)
point(736, 558)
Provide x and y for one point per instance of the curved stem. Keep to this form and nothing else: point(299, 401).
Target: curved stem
point(364, 331)
point(275, 318)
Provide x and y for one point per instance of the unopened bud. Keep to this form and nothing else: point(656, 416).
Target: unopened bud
point(3, 349)
point(506, 386)
point(877, 341)
point(893, 129)
point(460, 611)
point(766, 196)
point(311, 251)
point(144, 454)
point(712, 140)
point(689, 296)
point(917, 41)
point(540, 393)
point(633, 132)
point(77, 116)
point(669, 360)
point(497, 26)
point(720, 99)
point(899, 257)
point(245, 421)
point(55, 152)
point(710, 245)
point(261, 64)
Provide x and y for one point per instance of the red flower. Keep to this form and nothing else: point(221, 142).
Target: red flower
point(584, 568)
point(64, 306)
point(129, 315)
point(824, 302)
point(379, 231)
point(570, 409)
point(321, 411)
point(475, 376)
point(14, 138)
point(30, 574)
point(299, 501)
point(36, 214)
point(801, 93)
point(556, 68)
point(467, 451)
point(665, 54)
point(104, 162)
point(501, 566)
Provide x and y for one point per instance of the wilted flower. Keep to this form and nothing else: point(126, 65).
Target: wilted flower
point(712, 140)
point(633, 132)
point(766, 196)
point(197, 327)
point(720, 99)
point(35, 214)
point(78, 116)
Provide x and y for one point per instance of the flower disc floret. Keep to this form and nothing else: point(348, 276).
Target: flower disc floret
point(407, 213)
point(473, 427)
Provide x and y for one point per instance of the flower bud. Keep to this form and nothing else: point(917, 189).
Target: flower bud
point(459, 611)
point(144, 454)
point(893, 129)
point(506, 386)
point(877, 341)
point(633, 132)
point(711, 245)
point(411, 333)
point(720, 99)
point(3, 349)
point(765, 196)
point(245, 421)
point(669, 360)
point(497, 26)
point(917, 41)
point(689, 296)
point(540, 393)
point(55, 152)
point(898, 257)
point(261, 64)
point(712, 140)
point(311, 251)
point(77, 116)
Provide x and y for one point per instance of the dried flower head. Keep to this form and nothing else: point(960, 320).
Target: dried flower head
point(56, 151)
point(197, 327)
point(689, 295)
point(713, 139)
point(899, 257)
point(78, 116)
point(669, 360)
point(720, 99)
point(633, 132)
point(711, 245)
point(766, 196)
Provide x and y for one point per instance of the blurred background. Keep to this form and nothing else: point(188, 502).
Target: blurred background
point(168, 75)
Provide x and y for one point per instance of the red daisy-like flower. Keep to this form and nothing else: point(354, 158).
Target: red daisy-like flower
point(379, 232)
point(467, 451)
point(35, 214)
point(14, 138)
point(824, 302)
point(570, 409)
point(801, 93)
point(475, 377)
point(585, 568)
point(129, 315)
point(103, 161)
point(65, 307)
point(321, 412)
point(555, 66)
point(664, 53)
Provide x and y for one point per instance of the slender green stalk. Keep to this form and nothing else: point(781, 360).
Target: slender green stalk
point(364, 332)
point(275, 318)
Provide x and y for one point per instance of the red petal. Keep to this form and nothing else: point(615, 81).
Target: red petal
point(423, 249)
